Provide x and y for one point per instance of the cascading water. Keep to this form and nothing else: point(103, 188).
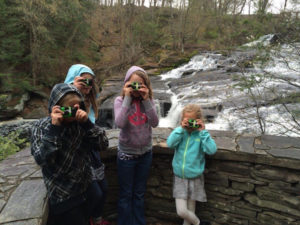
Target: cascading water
point(208, 80)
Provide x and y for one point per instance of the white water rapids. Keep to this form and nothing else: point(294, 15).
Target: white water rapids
point(281, 77)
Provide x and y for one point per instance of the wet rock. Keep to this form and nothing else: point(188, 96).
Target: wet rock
point(12, 105)
point(21, 126)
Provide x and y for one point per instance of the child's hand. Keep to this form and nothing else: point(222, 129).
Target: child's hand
point(81, 115)
point(78, 82)
point(144, 91)
point(185, 123)
point(202, 125)
point(127, 88)
point(56, 115)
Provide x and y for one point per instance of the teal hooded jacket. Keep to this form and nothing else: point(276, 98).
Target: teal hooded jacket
point(75, 71)
point(190, 149)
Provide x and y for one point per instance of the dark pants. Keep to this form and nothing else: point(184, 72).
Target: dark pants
point(98, 197)
point(132, 176)
point(74, 213)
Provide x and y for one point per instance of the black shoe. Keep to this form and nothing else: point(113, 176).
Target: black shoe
point(202, 222)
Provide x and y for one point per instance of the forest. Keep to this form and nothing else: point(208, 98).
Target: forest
point(40, 39)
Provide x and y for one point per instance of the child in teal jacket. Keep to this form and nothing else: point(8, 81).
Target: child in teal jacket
point(191, 142)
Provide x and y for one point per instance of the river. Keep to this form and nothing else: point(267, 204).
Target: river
point(212, 80)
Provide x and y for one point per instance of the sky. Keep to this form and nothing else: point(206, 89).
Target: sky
point(276, 7)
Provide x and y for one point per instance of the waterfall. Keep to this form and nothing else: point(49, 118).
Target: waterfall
point(173, 116)
point(207, 79)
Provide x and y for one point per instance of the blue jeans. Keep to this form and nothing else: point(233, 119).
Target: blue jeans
point(132, 176)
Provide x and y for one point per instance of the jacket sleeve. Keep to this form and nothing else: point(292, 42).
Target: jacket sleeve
point(121, 107)
point(208, 144)
point(95, 137)
point(151, 112)
point(175, 137)
point(45, 141)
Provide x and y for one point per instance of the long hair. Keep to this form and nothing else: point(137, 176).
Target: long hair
point(92, 98)
point(193, 108)
point(147, 82)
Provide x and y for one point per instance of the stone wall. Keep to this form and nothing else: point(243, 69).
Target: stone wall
point(250, 180)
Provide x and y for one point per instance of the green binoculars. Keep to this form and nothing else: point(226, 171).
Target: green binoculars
point(193, 124)
point(135, 86)
point(68, 111)
point(87, 82)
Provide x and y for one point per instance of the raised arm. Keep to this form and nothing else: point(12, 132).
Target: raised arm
point(121, 107)
point(151, 112)
point(175, 137)
point(207, 143)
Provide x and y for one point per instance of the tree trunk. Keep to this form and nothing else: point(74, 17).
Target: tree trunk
point(285, 4)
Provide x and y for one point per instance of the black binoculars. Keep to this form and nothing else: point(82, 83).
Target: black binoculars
point(193, 124)
point(68, 111)
point(87, 82)
point(135, 86)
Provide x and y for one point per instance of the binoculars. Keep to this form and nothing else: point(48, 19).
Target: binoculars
point(68, 111)
point(135, 86)
point(87, 82)
point(193, 124)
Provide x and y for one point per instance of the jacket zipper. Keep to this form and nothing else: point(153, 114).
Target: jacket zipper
point(186, 146)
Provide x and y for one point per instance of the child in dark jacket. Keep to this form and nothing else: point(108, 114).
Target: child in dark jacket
point(84, 79)
point(60, 146)
point(135, 114)
point(191, 142)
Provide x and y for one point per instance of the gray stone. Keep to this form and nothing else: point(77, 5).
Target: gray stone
point(225, 143)
point(286, 187)
point(153, 181)
point(26, 202)
point(2, 180)
point(246, 180)
point(217, 196)
point(265, 193)
point(248, 187)
point(28, 172)
point(246, 144)
point(293, 153)
point(162, 133)
point(229, 218)
point(25, 222)
point(279, 216)
point(280, 141)
point(17, 170)
point(264, 218)
point(217, 178)
point(231, 208)
point(162, 192)
point(253, 199)
point(113, 143)
point(37, 174)
point(258, 144)
point(276, 174)
point(223, 190)
point(5, 188)
point(12, 181)
point(2, 203)
point(245, 205)
point(230, 167)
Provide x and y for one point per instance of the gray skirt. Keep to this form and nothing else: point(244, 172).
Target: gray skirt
point(189, 188)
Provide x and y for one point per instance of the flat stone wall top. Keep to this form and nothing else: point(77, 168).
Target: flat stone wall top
point(266, 149)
